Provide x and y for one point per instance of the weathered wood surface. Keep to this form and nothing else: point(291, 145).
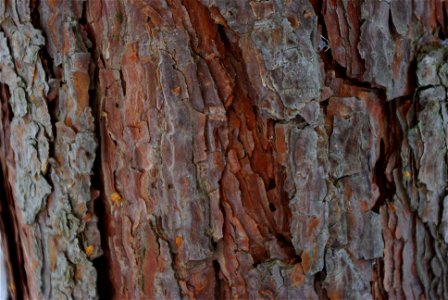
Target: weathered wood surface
point(278, 149)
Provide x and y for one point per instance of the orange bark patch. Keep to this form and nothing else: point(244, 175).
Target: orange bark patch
point(53, 253)
point(150, 267)
point(312, 226)
point(131, 54)
point(206, 29)
point(266, 294)
point(53, 3)
point(176, 90)
point(69, 122)
point(334, 294)
point(297, 276)
point(199, 282)
point(293, 21)
point(280, 143)
point(87, 217)
point(364, 206)
point(392, 207)
point(306, 261)
point(233, 161)
point(78, 273)
point(81, 82)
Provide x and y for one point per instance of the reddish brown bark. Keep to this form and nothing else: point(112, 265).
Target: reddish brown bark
point(224, 149)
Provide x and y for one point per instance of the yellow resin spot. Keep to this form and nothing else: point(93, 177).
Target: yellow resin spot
point(89, 250)
point(104, 114)
point(178, 241)
point(116, 198)
point(392, 207)
point(406, 174)
point(176, 90)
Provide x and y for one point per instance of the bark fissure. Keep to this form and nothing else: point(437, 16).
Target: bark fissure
point(10, 235)
point(101, 263)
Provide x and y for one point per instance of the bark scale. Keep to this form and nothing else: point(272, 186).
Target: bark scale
point(224, 149)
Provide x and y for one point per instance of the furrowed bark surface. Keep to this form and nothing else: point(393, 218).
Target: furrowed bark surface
point(216, 149)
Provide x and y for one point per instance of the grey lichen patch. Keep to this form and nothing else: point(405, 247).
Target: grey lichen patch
point(376, 45)
point(292, 64)
point(8, 76)
point(427, 139)
point(424, 179)
point(62, 277)
point(23, 35)
point(400, 17)
point(66, 284)
point(177, 157)
point(165, 283)
point(64, 269)
point(275, 278)
point(307, 205)
point(428, 67)
point(31, 156)
point(350, 139)
point(444, 221)
point(443, 74)
point(18, 102)
point(82, 152)
point(7, 70)
point(343, 276)
point(279, 46)
point(291, 61)
point(372, 244)
point(29, 140)
point(389, 32)
point(31, 195)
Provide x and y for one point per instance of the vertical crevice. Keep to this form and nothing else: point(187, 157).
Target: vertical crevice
point(102, 263)
point(389, 150)
point(13, 253)
point(123, 83)
point(387, 189)
point(216, 268)
point(379, 270)
point(319, 278)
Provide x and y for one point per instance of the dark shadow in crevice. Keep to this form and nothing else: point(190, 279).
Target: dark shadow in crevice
point(218, 287)
point(319, 287)
point(102, 263)
point(8, 221)
point(387, 189)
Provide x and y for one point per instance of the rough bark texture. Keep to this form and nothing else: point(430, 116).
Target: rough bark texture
point(275, 149)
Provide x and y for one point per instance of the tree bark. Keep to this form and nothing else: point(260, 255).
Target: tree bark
point(165, 149)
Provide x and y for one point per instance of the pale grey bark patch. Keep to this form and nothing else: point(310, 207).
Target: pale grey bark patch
point(444, 220)
point(281, 281)
point(344, 277)
point(29, 138)
point(166, 285)
point(3, 273)
point(307, 205)
point(57, 257)
point(371, 243)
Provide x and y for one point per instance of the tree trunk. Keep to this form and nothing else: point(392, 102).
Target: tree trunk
point(165, 149)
